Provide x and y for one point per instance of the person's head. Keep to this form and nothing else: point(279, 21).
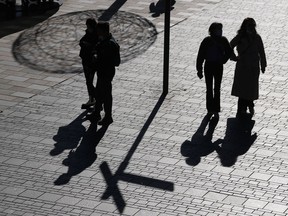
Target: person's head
point(91, 24)
point(103, 29)
point(215, 29)
point(248, 27)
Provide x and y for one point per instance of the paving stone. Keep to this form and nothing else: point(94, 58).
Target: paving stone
point(88, 204)
point(276, 207)
point(15, 161)
point(235, 200)
point(31, 194)
point(278, 179)
point(196, 192)
point(261, 176)
point(23, 94)
point(106, 207)
point(146, 212)
point(68, 200)
point(13, 190)
point(252, 203)
point(168, 160)
point(215, 196)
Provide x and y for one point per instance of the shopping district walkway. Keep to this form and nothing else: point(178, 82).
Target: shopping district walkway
point(157, 157)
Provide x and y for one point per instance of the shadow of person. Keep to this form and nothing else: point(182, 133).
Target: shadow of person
point(159, 8)
point(200, 144)
point(69, 136)
point(84, 156)
point(237, 141)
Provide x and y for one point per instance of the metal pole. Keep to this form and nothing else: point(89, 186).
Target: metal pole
point(166, 46)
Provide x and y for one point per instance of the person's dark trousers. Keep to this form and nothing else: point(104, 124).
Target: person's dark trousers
point(103, 94)
point(213, 75)
point(89, 76)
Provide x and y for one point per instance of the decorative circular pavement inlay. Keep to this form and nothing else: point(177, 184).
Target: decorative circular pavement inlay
point(53, 45)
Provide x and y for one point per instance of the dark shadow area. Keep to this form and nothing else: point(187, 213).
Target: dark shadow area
point(159, 8)
point(20, 18)
point(53, 45)
point(237, 141)
point(113, 9)
point(69, 136)
point(201, 144)
point(84, 155)
point(120, 175)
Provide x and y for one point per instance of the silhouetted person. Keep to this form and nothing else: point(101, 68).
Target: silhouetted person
point(251, 57)
point(107, 57)
point(215, 51)
point(87, 44)
point(159, 7)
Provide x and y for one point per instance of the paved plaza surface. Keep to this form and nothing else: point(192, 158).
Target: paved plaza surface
point(156, 158)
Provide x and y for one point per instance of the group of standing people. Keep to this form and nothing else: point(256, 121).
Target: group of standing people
point(100, 54)
point(215, 50)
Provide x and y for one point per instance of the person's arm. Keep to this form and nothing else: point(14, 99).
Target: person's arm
point(227, 50)
point(201, 58)
point(263, 61)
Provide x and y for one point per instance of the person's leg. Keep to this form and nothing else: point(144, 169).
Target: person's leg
point(89, 83)
point(99, 96)
point(107, 101)
point(89, 77)
point(99, 101)
point(209, 89)
point(242, 107)
point(217, 86)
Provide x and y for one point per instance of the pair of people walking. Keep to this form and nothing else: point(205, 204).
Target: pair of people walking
point(215, 50)
point(100, 54)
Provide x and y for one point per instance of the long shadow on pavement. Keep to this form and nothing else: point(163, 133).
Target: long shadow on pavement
point(83, 153)
point(107, 15)
point(112, 180)
point(200, 144)
point(237, 141)
point(69, 136)
point(84, 156)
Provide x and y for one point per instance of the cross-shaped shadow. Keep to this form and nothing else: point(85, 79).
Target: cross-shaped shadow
point(112, 180)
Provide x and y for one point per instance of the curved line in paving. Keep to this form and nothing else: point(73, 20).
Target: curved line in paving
point(52, 45)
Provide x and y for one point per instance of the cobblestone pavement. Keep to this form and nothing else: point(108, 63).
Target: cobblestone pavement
point(138, 165)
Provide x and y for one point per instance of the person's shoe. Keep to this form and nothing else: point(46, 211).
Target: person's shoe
point(90, 102)
point(106, 121)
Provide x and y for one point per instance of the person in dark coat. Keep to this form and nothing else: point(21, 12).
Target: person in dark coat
point(215, 51)
point(87, 44)
point(107, 57)
point(251, 57)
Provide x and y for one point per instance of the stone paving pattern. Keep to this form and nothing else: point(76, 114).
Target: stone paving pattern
point(40, 109)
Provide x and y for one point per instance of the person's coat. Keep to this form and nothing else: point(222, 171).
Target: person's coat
point(251, 56)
